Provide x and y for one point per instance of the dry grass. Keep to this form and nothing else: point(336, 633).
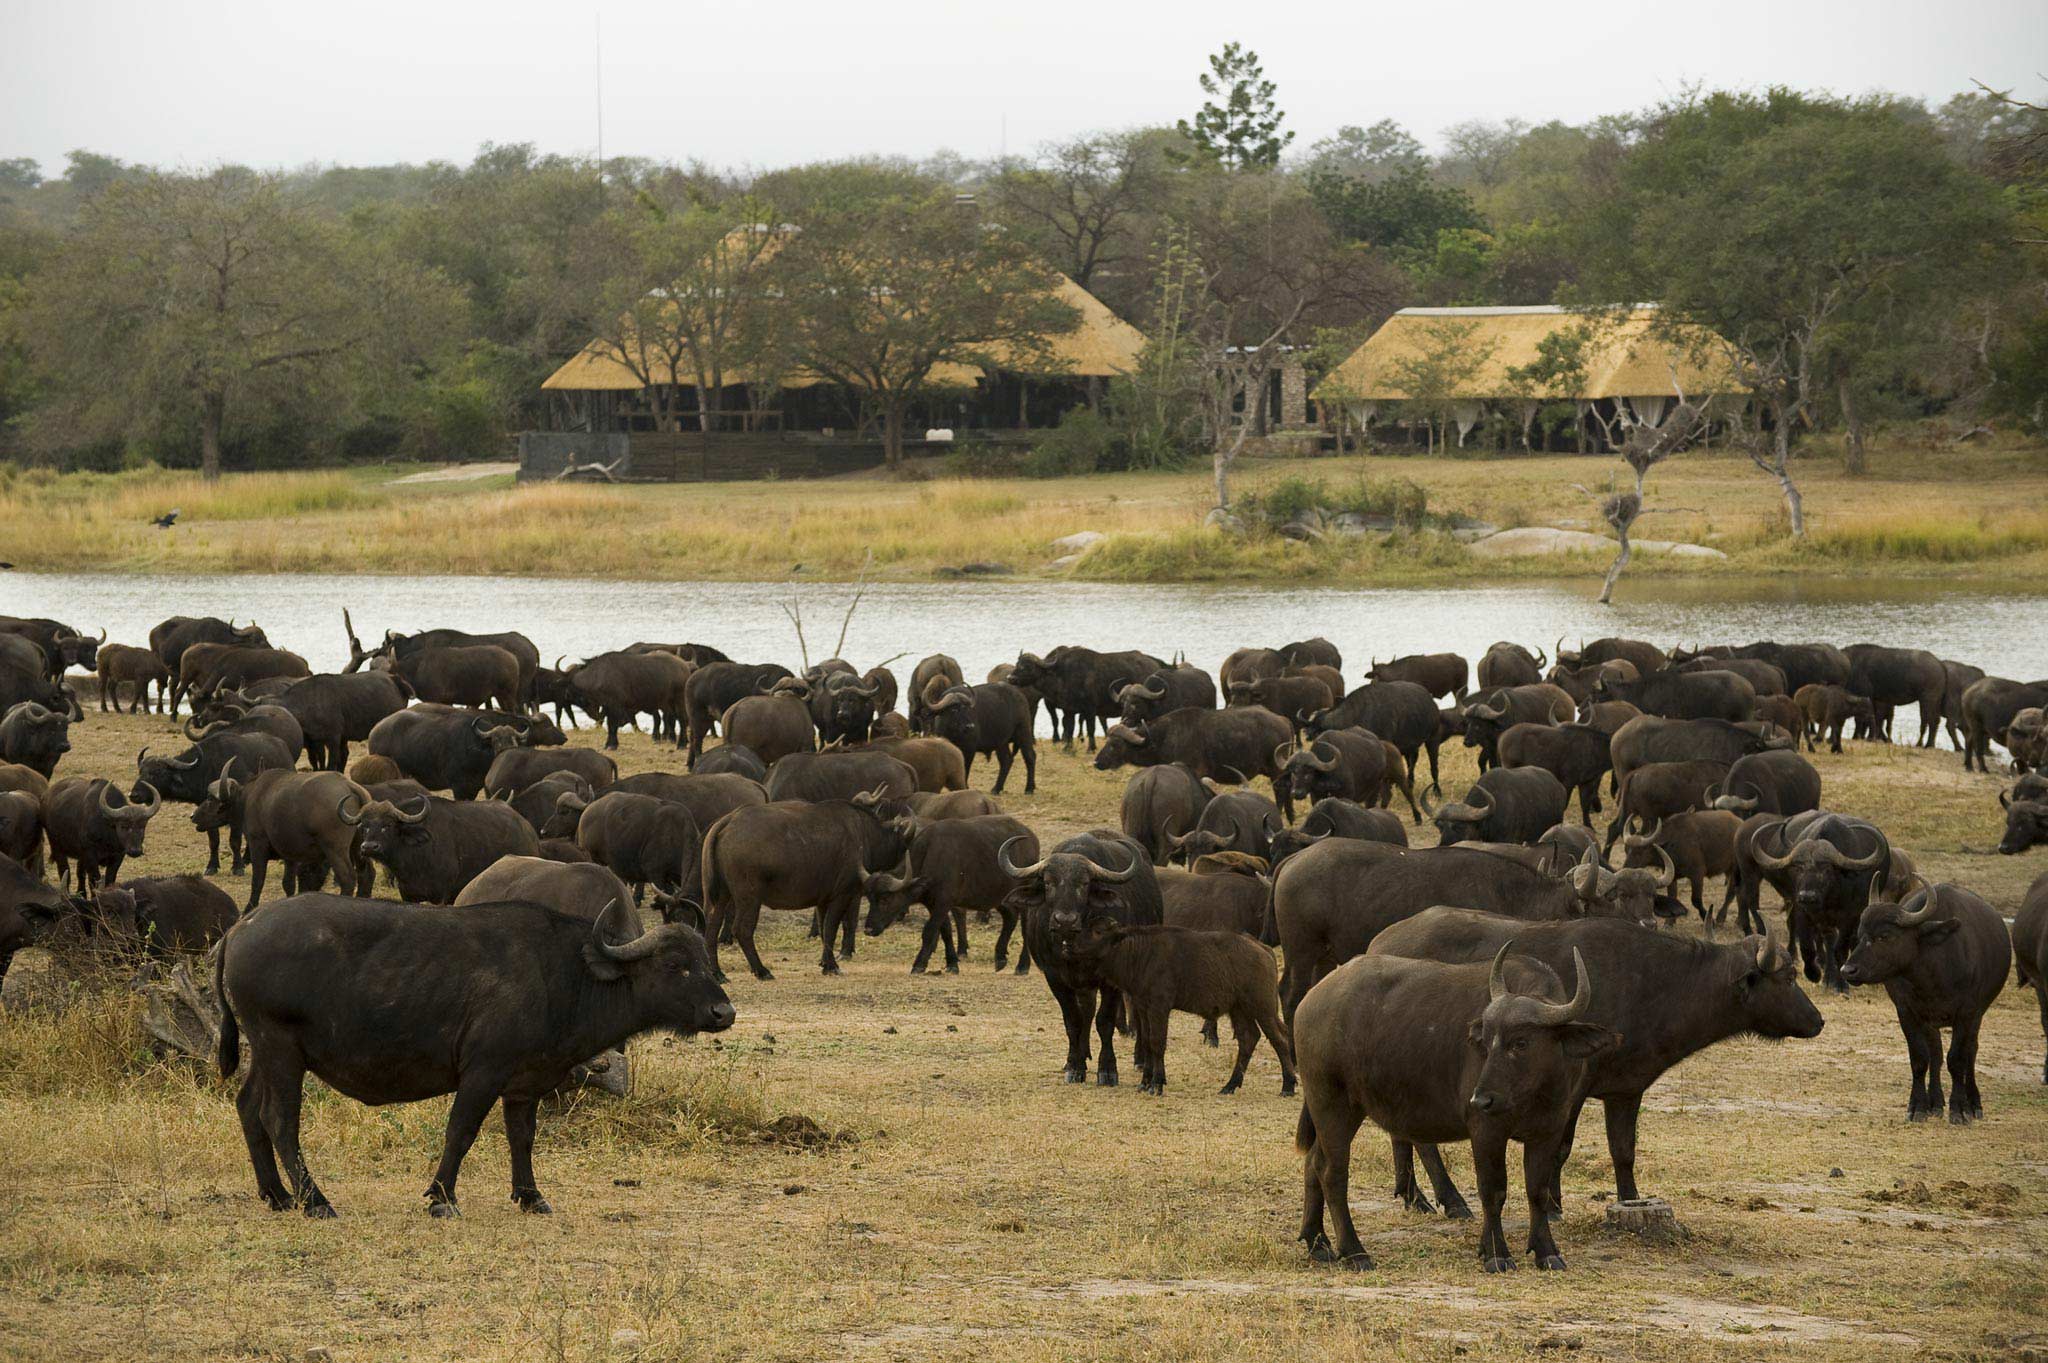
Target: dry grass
point(982, 1206)
point(1926, 508)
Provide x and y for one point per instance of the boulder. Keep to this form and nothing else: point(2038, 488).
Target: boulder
point(1531, 540)
point(1077, 542)
point(1220, 518)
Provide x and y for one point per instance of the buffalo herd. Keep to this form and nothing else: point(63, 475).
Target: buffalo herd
point(1482, 987)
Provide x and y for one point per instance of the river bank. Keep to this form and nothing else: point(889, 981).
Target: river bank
point(1925, 509)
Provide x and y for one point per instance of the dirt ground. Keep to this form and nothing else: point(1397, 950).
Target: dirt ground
point(882, 1166)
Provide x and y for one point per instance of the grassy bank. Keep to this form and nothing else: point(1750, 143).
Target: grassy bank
point(978, 1205)
point(1925, 509)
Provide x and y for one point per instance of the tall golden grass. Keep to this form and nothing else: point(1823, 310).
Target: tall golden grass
point(1923, 510)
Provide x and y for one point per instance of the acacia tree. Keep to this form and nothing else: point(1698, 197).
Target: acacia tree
point(1243, 130)
point(1085, 203)
point(685, 297)
point(184, 297)
point(883, 292)
point(1786, 227)
point(1435, 374)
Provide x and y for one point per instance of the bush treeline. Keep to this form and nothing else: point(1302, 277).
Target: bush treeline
point(1866, 260)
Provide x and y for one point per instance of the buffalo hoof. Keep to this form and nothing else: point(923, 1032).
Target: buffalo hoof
point(1076, 1075)
point(1287, 1088)
point(1957, 1117)
point(320, 1211)
point(1320, 1251)
point(444, 1211)
point(831, 968)
point(1418, 1204)
point(1457, 1211)
point(952, 967)
point(1230, 1087)
point(1105, 1079)
point(1500, 1265)
point(533, 1204)
point(1551, 1262)
point(1002, 963)
point(917, 967)
point(1360, 1262)
point(764, 973)
point(277, 1202)
point(1916, 1115)
point(1024, 968)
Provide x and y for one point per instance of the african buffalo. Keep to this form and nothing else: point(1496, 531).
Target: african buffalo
point(1401, 713)
point(1507, 664)
point(1180, 687)
point(715, 687)
point(125, 665)
point(1239, 744)
point(1892, 677)
point(90, 822)
point(953, 867)
point(1162, 803)
point(392, 1003)
point(1668, 997)
point(1576, 754)
point(1480, 1058)
point(1942, 956)
point(444, 747)
point(1337, 819)
point(1098, 875)
point(992, 718)
point(1440, 674)
point(772, 725)
point(35, 736)
point(433, 847)
point(1507, 804)
point(1776, 782)
point(797, 855)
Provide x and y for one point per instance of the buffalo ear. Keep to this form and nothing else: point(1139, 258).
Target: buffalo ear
point(1940, 930)
point(1585, 1040)
point(1476, 1033)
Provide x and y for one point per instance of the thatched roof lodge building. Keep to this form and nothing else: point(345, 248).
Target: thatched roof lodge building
point(597, 391)
point(1502, 362)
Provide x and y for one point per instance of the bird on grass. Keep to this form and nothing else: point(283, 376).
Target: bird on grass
point(168, 519)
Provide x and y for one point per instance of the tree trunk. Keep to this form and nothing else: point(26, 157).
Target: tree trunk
point(212, 407)
point(1226, 455)
point(1853, 460)
point(1793, 510)
point(892, 430)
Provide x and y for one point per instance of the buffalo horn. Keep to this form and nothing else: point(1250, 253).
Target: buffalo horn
point(341, 809)
point(1558, 1014)
point(1011, 868)
point(1496, 978)
point(615, 939)
point(1875, 857)
point(1134, 737)
point(1911, 917)
point(948, 701)
point(1103, 873)
point(1670, 872)
point(398, 811)
point(1768, 860)
point(1315, 758)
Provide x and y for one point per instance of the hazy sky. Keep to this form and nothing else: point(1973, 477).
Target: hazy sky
point(284, 82)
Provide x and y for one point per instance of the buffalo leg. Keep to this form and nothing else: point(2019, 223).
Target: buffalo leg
point(1539, 1159)
point(1926, 1062)
point(1406, 1189)
point(249, 1107)
point(519, 1124)
point(1030, 753)
point(930, 941)
point(213, 851)
point(1964, 1103)
point(1490, 1163)
point(828, 926)
point(1010, 926)
point(1624, 1111)
point(1005, 759)
point(281, 1084)
point(849, 924)
point(465, 1118)
point(1075, 1005)
point(960, 928)
point(1330, 1160)
point(1244, 1029)
point(1209, 1034)
point(1448, 1197)
point(745, 919)
point(1106, 1014)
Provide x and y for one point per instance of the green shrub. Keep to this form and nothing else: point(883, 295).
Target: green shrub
point(1081, 443)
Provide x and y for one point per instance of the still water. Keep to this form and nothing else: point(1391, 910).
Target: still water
point(984, 623)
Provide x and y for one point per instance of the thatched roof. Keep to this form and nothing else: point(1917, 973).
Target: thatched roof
point(1101, 345)
point(1626, 355)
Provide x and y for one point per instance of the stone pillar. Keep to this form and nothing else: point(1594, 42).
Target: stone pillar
point(1293, 391)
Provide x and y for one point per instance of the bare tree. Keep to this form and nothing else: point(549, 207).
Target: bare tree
point(1642, 447)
